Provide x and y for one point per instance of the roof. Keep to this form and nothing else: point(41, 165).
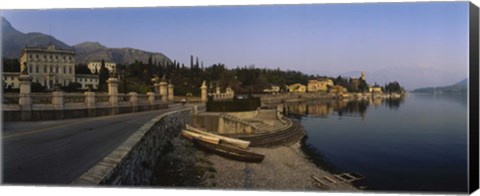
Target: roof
point(51, 49)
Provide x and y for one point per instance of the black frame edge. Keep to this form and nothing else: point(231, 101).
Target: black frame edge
point(474, 99)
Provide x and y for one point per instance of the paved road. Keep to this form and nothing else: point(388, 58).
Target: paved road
point(57, 152)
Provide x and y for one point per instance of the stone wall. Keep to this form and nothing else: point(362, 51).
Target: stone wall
point(132, 163)
point(226, 123)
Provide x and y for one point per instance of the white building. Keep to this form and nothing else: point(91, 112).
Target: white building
point(87, 80)
point(49, 66)
point(95, 66)
point(10, 79)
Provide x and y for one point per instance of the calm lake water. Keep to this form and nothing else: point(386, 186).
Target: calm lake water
point(416, 144)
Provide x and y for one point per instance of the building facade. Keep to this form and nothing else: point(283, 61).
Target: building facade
point(297, 88)
point(274, 89)
point(87, 80)
point(320, 85)
point(49, 66)
point(95, 66)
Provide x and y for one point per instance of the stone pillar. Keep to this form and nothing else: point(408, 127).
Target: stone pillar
point(90, 102)
point(57, 101)
point(113, 93)
point(217, 90)
point(195, 109)
point(221, 124)
point(163, 90)
point(151, 100)
point(133, 101)
point(170, 92)
point(203, 89)
point(25, 99)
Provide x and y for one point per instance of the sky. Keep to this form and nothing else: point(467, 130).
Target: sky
point(416, 44)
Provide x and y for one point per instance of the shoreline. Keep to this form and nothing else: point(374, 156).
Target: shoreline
point(285, 167)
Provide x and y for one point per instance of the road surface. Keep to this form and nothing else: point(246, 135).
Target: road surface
point(57, 152)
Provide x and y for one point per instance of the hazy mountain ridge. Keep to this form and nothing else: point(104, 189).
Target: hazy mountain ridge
point(14, 41)
point(94, 51)
point(459, 87)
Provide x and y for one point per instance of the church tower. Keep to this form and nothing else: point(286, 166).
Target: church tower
point(362, 76)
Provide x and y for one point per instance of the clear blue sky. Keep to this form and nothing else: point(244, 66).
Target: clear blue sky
point(417, 44)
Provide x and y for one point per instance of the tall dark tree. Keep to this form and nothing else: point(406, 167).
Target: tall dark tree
point(363, 86)
point(191, 62)
point(11, 65)
point(103, 77)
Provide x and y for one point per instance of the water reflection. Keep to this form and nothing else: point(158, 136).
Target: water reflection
point(339, 107)
point(416, 143)
point(459, 98)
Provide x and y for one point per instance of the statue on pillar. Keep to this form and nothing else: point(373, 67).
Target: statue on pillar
point(113, 74)
point(25, 69)
point(155, 79)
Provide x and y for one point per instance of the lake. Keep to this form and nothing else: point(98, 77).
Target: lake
point(416, 144)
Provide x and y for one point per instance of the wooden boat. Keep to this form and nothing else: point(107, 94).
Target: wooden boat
point(230, 152)
point(232, 141)
point(191, 136)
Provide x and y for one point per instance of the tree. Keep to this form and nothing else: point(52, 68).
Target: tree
point(103, 77)
point(363, 86)
point(82, 69)
point(393, 87)
point(11, 65)
point(37, 87)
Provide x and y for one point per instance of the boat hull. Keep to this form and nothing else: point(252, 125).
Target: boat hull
point(229, 151)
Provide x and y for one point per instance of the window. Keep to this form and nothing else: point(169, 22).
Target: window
point(30, 56)
point(36, 56)
point(30, 69)
point(56, 69)
point(51, 69)
point(69, 58)
point(64, 70)
point(44, 68)
point(36, 69)
point(70, 70)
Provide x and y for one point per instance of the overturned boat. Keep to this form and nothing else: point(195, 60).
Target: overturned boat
point(231, 141)
point(228, 151)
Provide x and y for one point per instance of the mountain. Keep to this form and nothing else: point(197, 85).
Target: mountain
point(464, 83)
point(459, 87)
point(14, 41)
point(94, 51)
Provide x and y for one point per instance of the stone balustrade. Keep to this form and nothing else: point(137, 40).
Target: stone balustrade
point(229, 124)
point(60, 105)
